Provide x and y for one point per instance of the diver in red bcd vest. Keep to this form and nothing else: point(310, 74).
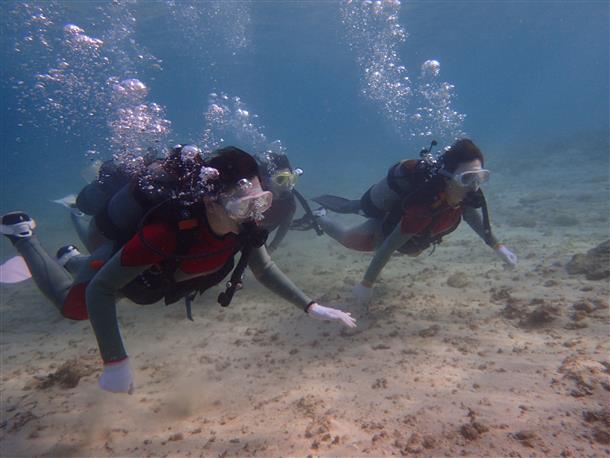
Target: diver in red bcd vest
point(413, 207)
point(169, 232)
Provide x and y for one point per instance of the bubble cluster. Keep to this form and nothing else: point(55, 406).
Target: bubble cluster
point(228, 119)
point(430, 68)
point(434, 114)
point(129, 91)
point(66, 71)
point(135, 124)
point(258, 210)
point(418, 109)
point(200, 23)
point(207, 175)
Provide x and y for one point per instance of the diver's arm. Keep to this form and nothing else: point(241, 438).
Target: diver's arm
point(274, 279)
point(270, 275)
point(475, 221)
point(473, 217)
point(282, 230)
point(393, 242)
point(101, 297)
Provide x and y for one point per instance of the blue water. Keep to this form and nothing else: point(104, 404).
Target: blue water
point(528, 81)
point(525, 73)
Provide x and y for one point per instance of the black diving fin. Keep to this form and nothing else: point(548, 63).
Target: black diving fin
point(338, 204)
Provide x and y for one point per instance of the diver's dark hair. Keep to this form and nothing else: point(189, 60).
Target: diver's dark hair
point(232, 164)
point(269, 162)
point(463, 150)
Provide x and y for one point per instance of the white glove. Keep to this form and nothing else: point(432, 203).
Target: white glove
point(117, 377)
point(327, 313)
point(507, 256)
point(362, 294)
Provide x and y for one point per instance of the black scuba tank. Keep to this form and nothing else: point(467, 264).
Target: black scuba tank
point(380, 198)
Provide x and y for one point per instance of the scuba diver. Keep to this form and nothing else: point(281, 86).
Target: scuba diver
point(413, 207)
point(278, 177)
point(170, 233)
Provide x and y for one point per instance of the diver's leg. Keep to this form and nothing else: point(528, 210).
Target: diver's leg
point(89, 235)
point(76, 263)
point(81, 222)
point(52, 279)
point(362, 237)
point(74, 305)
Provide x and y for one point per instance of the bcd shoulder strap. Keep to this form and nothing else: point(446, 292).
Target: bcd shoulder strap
point(252, 238)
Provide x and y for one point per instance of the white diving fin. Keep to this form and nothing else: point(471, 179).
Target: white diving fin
point(15, 270)
point(69, 201)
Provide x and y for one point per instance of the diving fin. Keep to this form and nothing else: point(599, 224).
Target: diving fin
point(338, 204)
point(15, 270)
point(69, 201)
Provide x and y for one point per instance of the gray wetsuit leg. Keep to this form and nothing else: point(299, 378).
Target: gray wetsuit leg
point(52, 279)
point(363, 237)
point(81, 223)
point(93, 239)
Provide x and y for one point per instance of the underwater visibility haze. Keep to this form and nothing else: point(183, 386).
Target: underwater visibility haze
point(458, 355)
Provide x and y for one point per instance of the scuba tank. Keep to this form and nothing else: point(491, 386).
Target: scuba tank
point(402, 178)
point(109, 178)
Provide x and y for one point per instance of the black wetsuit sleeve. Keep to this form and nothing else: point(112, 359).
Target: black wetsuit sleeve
point(473, 217)
point(270, 275)
point(283, 229)
point(101, 297)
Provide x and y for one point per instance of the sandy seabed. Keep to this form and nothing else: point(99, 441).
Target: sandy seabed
point(457, 357)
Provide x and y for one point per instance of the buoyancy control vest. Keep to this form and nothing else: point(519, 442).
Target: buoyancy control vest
point(402, 179)
point(440, 218)
point(141, 201)
point(391, 198)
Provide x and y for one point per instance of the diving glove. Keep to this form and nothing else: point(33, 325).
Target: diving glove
point(362, 294)
point(117, 377)
point(327, 313)
point(507, 256)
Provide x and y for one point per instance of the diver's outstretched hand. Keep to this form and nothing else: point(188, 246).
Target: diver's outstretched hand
point(327, 313)
point(509, 258)
point(117, 377)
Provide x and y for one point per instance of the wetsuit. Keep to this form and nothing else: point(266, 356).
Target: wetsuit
point(279, 217)
point(140, 273)
point(393, 227)
point(422, 225)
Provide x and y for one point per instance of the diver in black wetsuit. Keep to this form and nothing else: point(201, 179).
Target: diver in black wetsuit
point(278, 177)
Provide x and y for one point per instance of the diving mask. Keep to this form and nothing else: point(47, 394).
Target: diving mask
point(469, 179)
point(247, 202)
point(286, 178)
